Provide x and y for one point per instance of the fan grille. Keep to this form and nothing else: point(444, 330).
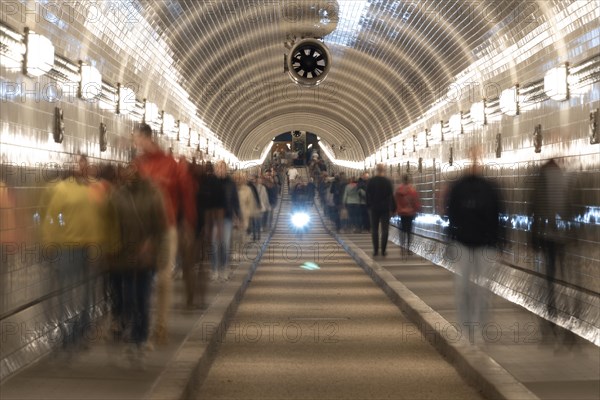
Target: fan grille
point(308, 62)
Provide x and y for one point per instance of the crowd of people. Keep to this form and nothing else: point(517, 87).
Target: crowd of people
point(472, 205)
point(366, 204)
point(138, 225)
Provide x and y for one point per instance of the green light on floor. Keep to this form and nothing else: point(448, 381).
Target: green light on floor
point(311, 266)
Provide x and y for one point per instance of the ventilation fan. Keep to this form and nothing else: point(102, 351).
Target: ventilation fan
point(308, 62)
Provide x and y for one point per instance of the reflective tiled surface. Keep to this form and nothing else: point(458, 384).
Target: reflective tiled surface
point(392, 60)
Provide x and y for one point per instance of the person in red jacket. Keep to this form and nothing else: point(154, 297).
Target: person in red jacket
point(187, 227)
point(162, 169)
point(407, 207)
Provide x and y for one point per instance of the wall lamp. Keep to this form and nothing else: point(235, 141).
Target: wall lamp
point(509, 101)
point(456, 123)
point(437, 132)
point(168, 126)
point(477, 113)
point(39, 54)
point(126, 102)
point(90, 84)
point(151, 112)
point(556, 84)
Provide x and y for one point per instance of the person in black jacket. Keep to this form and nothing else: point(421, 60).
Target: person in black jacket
point(337, 190)
point(473, 212)
point(380, 200)
point(553, 205)
point(222, 205)
point(363, 210)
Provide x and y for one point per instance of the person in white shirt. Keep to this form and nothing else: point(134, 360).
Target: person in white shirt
point(292, 175)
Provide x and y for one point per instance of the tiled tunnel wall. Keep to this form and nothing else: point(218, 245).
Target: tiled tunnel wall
point(566, 137)
point(31, 162)
point(27, 150)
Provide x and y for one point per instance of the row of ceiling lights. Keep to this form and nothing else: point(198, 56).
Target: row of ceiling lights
point(38, 59)
point(555, 86)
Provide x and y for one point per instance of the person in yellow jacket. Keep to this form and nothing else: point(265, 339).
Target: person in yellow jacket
point(74, 241)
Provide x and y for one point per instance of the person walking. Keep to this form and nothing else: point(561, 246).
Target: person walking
point(380, 201)
point(140, 217)
point(473, 208)
point(351, 201)
point(408, 205)
point(552, 205)
point(162, 169)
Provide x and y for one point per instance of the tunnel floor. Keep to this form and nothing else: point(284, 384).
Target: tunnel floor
point(326, 333)
point(313, 325)
point(553, 368)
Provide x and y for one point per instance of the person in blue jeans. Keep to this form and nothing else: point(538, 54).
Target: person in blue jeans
point(221, 205)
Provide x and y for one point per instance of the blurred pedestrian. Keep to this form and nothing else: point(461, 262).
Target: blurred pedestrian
point(364, 211)
point(336, 203)
point(407, 206)
point(380, 201)
point(256, 219)
point(265, 203)
point(141, 220)
point(186, 224)
point(292, 174)
point(226, 208)
point(248, 206)
point(74, 226)
point(552, 209)
point(161, 168)
point(473, 211)
point(351, 201)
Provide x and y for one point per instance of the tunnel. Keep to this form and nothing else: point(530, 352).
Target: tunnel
point(135, 134)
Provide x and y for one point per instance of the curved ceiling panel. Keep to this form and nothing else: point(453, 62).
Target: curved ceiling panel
point(391, 59)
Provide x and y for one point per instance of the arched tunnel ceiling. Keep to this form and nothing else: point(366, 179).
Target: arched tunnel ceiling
point(385, 53)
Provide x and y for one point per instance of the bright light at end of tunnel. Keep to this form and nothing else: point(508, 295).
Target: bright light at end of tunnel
point(300, 219)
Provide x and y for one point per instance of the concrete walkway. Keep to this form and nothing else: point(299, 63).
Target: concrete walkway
point(102, 371)
point(514, 338)
point(326, 333)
